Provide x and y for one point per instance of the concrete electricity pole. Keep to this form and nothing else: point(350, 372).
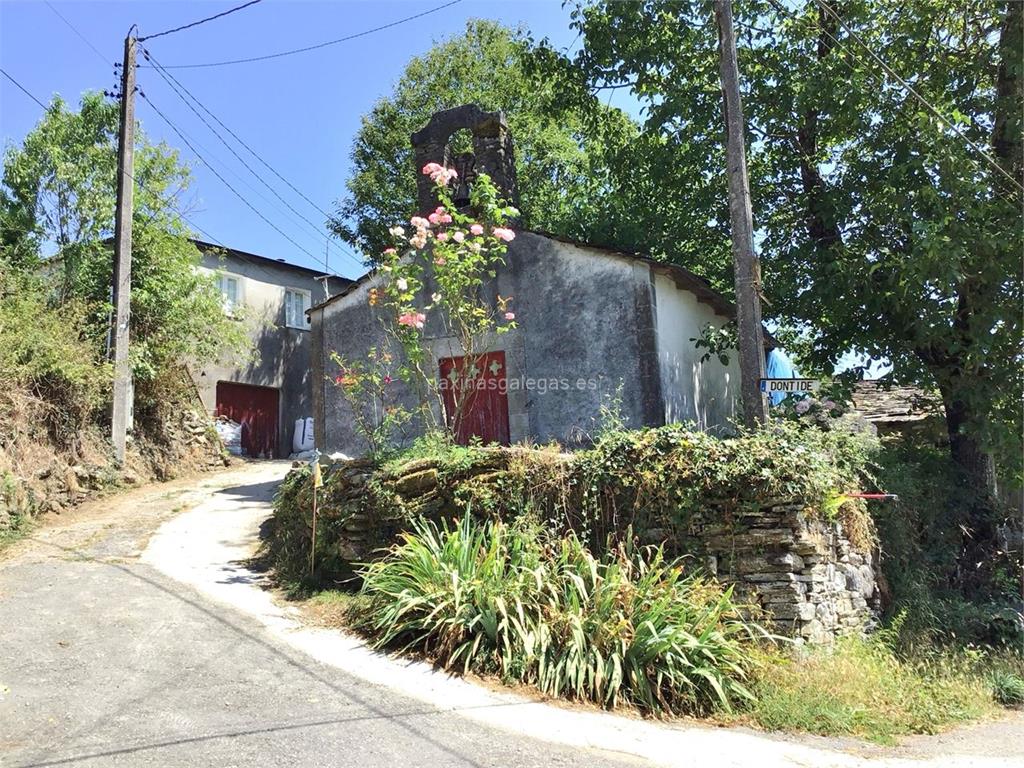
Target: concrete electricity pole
point(122, 402)
point(745, 263)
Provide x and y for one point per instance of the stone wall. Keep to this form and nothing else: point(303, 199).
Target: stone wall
point(800, 568)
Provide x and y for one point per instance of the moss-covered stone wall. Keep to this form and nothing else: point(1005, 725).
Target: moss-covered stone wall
point(763, 512)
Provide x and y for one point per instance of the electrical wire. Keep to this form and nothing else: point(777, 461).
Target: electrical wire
point(192, 223)
point(311, 47)
point(23, 89)
point(224, 181)
point(161, 68)
point(910, 89)
point(881, 80)
point(178, 87)
point(210, 238)
point(201, 21)
point(238, 157)
point(74, 29)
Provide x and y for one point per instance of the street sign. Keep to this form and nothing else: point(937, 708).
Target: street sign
point(771, 386)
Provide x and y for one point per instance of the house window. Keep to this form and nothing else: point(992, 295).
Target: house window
point(231, 291)
point(296, 303)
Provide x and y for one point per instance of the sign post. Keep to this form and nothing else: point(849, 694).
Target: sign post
point(318, 481)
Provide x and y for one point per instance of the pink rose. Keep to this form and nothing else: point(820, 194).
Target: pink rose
point(440, 261)
point(442, 175)
point(390, 251)
point(510, 316)
point(431, 168)
point(445, 218)
point(434, 218)
point(476, 229)
point(503, 233)
point(442, 236)
point(412, 319)
point(458, 237)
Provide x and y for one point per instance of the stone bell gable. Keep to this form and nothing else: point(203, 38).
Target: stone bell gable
point(492, 153)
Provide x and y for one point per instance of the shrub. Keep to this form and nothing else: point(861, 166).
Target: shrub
point(57, 370)
point(660, 483)
point(625, 628)
point(921, 543)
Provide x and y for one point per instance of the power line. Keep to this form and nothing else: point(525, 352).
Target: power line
point(23, 89)
point(875, 242)
point(311, 47)
point(167, 201)
point(224, 181)
point(163, 70)
point(231, 149)
point(189, 221)
point(892, 73)
point(201, 21)
point(881, 80)
point(178, 87)
point(74, 29)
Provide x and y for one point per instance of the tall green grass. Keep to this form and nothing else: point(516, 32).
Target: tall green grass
point(628, 627)
point(864, 687)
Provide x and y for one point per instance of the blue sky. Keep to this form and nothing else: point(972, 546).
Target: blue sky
point(299, 112)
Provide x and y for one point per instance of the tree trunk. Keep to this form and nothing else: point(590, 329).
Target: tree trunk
point(978, 477)
point(973, 461)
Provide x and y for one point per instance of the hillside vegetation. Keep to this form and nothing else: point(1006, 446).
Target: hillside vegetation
point(56, 221)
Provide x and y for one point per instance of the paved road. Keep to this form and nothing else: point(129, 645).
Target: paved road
point(106, 662)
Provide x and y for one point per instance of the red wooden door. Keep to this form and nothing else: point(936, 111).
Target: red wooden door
point(255, 409)
point(481, 388)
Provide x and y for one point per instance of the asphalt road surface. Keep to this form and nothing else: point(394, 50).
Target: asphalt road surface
point(106, 662)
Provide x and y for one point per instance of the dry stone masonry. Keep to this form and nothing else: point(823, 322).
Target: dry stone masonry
point(800, 568)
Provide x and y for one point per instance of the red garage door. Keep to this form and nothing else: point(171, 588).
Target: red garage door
point(255, 409)
point(485, 406)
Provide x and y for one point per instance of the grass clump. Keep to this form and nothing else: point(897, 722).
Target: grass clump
point(628, 627)
point(1008, 688)
point(865, 688)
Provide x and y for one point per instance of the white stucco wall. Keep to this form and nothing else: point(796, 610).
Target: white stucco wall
point(705, 393)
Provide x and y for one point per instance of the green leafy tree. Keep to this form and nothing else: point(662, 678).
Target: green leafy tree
point(59, 193)
point(562, 166)
point(881, 231)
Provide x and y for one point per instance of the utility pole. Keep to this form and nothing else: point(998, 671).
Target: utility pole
point(746, 267)
point(122, 401)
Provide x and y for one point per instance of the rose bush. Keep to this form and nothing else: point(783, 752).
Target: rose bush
point(456, 252)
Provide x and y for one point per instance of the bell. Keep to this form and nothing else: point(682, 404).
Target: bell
point(465, 166)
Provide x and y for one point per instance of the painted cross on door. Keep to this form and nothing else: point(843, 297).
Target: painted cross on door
point(476, 397)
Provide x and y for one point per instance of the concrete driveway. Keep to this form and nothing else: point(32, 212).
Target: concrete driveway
point(106, 661)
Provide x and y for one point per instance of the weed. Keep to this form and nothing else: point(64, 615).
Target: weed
point(864, 688)
point(1008, 688)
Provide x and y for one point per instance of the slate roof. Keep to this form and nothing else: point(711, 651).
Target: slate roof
point(206, 247)
point(876, 402)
